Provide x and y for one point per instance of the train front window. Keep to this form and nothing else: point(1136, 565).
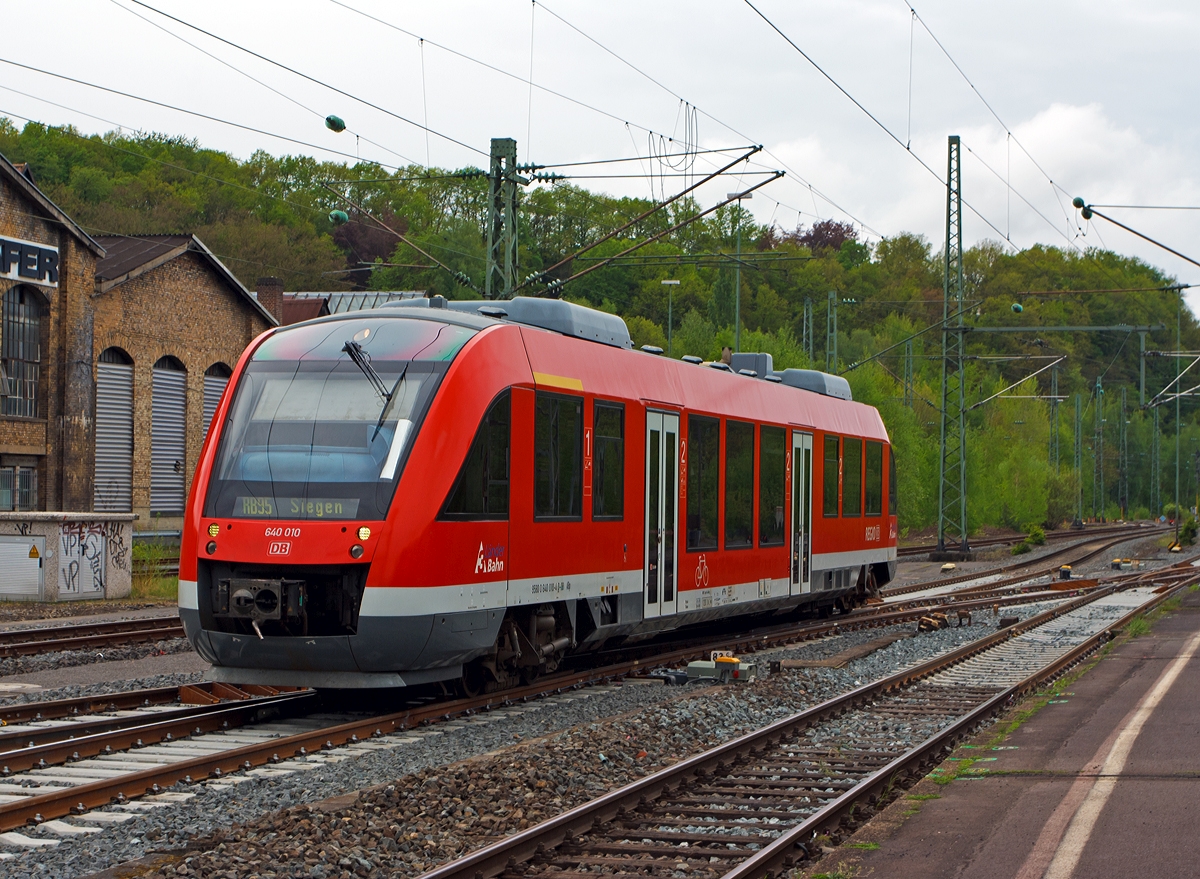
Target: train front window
point(311, 435)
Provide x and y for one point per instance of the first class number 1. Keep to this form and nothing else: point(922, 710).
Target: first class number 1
point(282, 532)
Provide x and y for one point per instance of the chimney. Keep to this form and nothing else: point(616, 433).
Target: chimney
point(270, 296)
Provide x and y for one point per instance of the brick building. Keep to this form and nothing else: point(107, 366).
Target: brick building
point(170, 323)
point(113, 354)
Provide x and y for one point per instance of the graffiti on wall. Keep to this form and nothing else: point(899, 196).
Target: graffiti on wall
point(82, 560)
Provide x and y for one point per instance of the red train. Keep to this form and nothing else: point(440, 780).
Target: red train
point(471, 491)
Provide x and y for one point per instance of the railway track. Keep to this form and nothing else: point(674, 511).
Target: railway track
point(1052, 536)
point(753, 806)
point(88, 636)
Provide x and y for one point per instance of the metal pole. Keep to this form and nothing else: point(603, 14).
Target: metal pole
point(670, 284)
point(1123, 460)
point(806, 331)
point(737, 283)
point(1054, 417)
point(1178, 347)
point(831, 358)
point(1098, 455)
point(952, 472)
point(1156, 469)
point(1079, 459)
point(908, 373)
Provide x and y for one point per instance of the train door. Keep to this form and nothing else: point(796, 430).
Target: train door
point(662, 512)
point(801, 543)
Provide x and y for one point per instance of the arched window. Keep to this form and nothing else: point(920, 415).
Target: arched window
point(168, 437)
point(216, 377)
point(113, 486)
point(21, 351)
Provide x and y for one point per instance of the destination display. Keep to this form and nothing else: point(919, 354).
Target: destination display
point(28, 261)
point(295, 507)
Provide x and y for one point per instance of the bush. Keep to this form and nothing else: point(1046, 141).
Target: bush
point(1187, 532)
point(1141, 513)
point(1037, 536)
point(1021, 548)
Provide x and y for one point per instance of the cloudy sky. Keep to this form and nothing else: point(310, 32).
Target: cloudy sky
point(1094, 99)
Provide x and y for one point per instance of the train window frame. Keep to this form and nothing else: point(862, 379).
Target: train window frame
point(575, 513)
point(744, 507)
point(873, 479)
point(892, 487)
point(765, 514)
point(478, 445)
point(598, 461)
point(697, 471)
point(852, 478)
point(831, 483)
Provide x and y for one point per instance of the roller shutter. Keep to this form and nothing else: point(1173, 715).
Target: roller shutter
point(214, 386)
point(113, 491)
point(168, 442)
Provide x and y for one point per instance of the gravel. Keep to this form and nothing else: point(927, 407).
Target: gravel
point(15, 611)
point(430, 800)
point(15, 665)
point(107, 688)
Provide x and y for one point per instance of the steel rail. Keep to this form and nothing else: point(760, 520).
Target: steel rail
point(495, 858)
point(26, 642)
point(787, 849)
point(1053, 536)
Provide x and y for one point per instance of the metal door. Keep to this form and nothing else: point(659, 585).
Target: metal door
point(113, 486)
point(214, 387)
point(168, 441)
point(662, 513)
point(800, 463)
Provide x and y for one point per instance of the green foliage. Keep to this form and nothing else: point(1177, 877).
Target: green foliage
point(1037, 536)
point(270, 215)
point(1138, 626)
point(1022, 548)
point(1187, 531)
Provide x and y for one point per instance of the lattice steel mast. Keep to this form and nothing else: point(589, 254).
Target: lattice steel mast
point(952, 476)
point(502, 227)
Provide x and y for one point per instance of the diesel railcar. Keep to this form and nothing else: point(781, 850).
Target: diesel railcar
point(469, 492)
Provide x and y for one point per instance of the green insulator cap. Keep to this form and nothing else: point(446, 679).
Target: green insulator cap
point(1017, 307)
point(1086, 213)
point(339, 218)
point(462, 279)
point(1077, 201)
point(335, 123)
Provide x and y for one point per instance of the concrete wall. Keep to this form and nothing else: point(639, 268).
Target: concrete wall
point(87, 556)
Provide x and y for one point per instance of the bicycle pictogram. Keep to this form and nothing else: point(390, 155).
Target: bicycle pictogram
point(702, 573)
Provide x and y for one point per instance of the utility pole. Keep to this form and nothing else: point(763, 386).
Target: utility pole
point(1054, 417)
point(1155, 470)
point(806, 331)
point(952, 478)
point(737, 272)
point(831, 333)
point(502, 223)
point(1098, 455)
point(1079, 460)
point(908, 374)
point(1123, 460)
point(670, 284)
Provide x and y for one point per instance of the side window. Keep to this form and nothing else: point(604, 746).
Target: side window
point(891, 481)
point(874, 484)
point(481, 491)
point(558, 457)
point(608, 461)
point(772, 485)
point(704, 453)
point(831, 476)
point(739, 484)
point(851, 477)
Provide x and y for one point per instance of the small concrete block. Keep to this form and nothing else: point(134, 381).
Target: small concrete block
point(62, 828)
point(141, 807)
point(20, 840)
point(268, 772)
point(104, 817)
point(171, 796)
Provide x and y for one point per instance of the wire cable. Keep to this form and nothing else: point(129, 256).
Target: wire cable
point(311, 79)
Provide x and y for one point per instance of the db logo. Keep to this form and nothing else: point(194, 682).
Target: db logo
point(702, 572)
point(279, 547)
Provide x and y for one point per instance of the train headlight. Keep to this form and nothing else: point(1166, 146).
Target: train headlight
point(356, 551)
point(214, 529)
point(364, 533)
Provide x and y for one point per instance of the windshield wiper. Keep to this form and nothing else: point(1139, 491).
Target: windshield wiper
point(387, 407)
point(362, 360)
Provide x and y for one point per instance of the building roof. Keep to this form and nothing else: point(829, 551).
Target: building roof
point(296, 310)
point(340, 301)
point(128, 256)
point(23, 182)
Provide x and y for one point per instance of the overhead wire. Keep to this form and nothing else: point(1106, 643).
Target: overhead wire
point(311, 79)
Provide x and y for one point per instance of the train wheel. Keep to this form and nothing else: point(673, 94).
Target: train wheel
point(473, 680)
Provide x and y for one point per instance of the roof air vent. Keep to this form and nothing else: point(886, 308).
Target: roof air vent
point(773, 378)
point(692, 358)
point(759, 364)
point(749, 373)
point(652, 349)
point(717, 364)
point(817, 382)
point(493, 311)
